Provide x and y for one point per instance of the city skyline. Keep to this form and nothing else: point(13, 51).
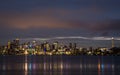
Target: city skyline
point(36, 47)
point(44, 18)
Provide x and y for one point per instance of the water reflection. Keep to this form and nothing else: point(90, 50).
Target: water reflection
point(26, 66)
point(58, 65)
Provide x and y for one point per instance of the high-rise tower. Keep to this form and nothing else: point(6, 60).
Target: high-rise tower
point(113, 42)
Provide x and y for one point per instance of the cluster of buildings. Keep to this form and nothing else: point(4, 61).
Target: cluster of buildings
point(34, 48)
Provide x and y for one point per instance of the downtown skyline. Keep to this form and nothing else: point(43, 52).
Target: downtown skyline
point(46, 19)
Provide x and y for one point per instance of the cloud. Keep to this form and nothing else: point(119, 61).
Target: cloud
point(33, 19)
point(71, 37)
point(80, 16)
point(106, 25)
point(46, 18)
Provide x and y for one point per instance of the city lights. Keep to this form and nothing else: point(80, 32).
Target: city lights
point(15, 47)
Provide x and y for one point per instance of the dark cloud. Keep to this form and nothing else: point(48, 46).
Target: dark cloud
point(107, 25)
point(30, 18)
point(46, 18)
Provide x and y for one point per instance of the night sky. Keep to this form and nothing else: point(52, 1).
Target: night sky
point(55, 18)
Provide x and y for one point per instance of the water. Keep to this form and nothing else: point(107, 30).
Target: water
point(59, 65)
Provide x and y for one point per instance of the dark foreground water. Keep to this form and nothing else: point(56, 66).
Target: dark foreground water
point(59, 65)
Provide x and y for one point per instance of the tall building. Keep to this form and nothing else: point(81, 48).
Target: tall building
point(42, 46)
point(74, 45)
point(70, 45)
point(17, 41)
point(9, 45)
point(113, 42)
point(47, 47)
point(56, 45)
point(13, 46)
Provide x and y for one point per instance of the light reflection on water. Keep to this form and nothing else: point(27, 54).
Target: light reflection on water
point(59, 65)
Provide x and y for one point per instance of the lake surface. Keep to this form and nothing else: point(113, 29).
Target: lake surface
point(59, 65)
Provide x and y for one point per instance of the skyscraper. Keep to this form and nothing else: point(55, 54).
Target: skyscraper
point(70, 45)
point(9, 45)
point(56, 45)
point(113, 42)
point(74, 45)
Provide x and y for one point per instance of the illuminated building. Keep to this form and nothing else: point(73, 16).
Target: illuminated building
point(56, 45)
point(42, 46)
point(113, 42)
point(34, 43)
point(103, 49)
point(17, 41)
point(47, 47)
point(9, 44)
point(13, 47)
point(15, 44)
